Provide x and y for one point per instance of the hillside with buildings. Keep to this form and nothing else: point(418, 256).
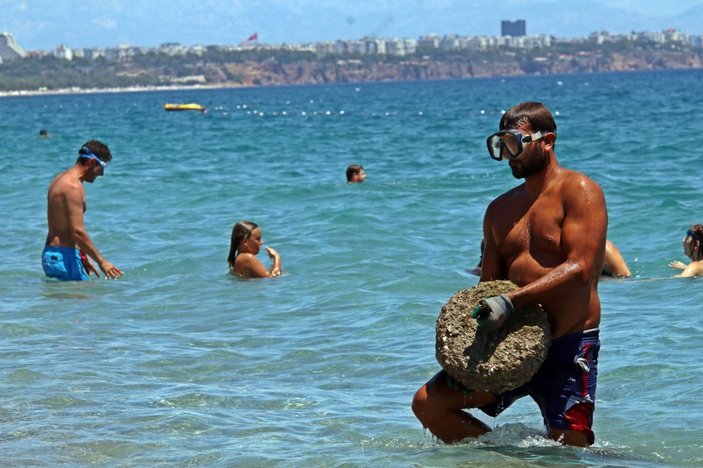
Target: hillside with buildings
point(343, 61)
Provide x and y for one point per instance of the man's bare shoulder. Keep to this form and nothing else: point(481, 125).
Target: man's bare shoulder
point(578, 187)
point(65, 184)
point(575, 179)
point(506, 198)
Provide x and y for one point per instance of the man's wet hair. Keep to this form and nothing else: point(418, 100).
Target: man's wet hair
point(534, 113)
point(98, 148)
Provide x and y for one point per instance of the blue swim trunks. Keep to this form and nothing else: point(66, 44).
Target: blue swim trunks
point(63, 263)
point(565, 385)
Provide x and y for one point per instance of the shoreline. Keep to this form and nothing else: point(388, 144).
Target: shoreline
point(158, 88)
point(127, 89)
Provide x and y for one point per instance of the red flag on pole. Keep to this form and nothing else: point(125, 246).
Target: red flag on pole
point(253, 37)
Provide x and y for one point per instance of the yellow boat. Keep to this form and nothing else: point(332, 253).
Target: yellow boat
point(184, 107)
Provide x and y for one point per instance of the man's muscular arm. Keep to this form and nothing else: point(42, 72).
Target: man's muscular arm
point(74, 204)
point(492, 267)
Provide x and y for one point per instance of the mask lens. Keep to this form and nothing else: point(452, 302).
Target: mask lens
point(505, 144)
point(495, 145)
point(512, 143)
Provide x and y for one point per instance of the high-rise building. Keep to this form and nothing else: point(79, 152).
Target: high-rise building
point(513, 28)
point(9, 50)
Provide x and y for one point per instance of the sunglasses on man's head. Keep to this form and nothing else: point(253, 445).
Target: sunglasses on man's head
point(509, 143)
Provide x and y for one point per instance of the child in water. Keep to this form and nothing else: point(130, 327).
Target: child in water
point(245, 245)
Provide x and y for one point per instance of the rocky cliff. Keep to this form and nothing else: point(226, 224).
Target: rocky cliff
point(281, 68)
point(350, 71)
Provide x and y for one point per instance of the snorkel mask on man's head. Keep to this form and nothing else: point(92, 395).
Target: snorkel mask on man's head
point(509, 143)
point(520, 125)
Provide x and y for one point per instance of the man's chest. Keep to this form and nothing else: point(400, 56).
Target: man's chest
point(534, 227)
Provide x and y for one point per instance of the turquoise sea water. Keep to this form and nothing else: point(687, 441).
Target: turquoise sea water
point(180, 364)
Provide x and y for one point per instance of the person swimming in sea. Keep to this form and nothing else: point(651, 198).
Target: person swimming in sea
point(693, 248)
point(613, 264)
point(244, 246)
point(355, 174)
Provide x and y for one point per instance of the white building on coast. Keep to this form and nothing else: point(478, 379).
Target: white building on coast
point(9, 50)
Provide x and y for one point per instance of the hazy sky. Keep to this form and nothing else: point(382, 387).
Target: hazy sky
point(654, 7)
point(44, 24)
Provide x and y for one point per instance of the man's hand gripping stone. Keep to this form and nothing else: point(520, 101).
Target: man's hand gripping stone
point(492, 312)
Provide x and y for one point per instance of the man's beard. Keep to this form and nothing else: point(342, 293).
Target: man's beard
point(529, 167)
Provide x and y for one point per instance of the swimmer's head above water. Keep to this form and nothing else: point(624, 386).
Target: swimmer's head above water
point(355, 173)
point(242, 231)
point(693, 242)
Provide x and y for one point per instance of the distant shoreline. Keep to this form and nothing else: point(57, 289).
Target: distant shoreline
point(34, 76)
point(127, 89)
point(231, 85)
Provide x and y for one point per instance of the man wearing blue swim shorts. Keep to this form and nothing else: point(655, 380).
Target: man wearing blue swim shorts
point(547, 236)
point(68, 245)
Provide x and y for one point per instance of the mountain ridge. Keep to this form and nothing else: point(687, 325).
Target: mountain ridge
point(46, 24)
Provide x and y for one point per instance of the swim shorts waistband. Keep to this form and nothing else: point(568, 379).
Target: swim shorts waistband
point(576, 337)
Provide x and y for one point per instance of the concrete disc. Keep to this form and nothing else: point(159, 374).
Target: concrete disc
point(490, 361)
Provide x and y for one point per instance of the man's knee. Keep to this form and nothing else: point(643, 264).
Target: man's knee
point(420, 405)
point(432, 402)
